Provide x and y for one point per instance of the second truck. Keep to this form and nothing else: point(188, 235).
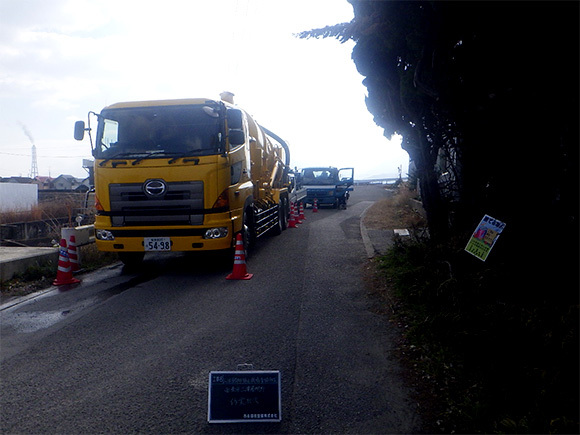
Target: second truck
point(327, 185)
point(186, 175)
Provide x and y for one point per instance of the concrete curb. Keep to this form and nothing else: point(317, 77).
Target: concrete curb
point(88, 279)
point(369, 248)
point(15, 260)
point(21, 299)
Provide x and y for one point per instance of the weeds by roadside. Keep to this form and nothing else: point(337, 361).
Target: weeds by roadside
point(36, 278)
point(52, 211)
point(33, 279)
point(488, 355)
point(401, 210)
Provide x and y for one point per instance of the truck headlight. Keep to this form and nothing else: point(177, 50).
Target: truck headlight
point(104, 235)
point(215, 233)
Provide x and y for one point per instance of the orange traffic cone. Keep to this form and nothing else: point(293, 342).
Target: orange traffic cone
point(73, 258)
point(239, 271)
point(292, 221)
point(296, 218)
point(315, 206)
point(64, 274)
point(301, 216)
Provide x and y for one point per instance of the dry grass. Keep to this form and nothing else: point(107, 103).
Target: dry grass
point(399, 211)
point(63, 205)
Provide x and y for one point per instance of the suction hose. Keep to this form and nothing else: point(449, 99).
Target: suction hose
point(283, 143)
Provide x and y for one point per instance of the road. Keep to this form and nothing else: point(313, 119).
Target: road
point(132, 352)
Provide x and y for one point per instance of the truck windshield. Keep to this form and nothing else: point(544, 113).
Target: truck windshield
point(159, 131)
point(320, 176)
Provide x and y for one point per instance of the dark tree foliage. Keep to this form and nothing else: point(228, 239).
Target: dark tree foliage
point(485, 91)
point(486, 97)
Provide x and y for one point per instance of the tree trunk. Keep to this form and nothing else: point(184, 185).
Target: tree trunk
point(433, 204)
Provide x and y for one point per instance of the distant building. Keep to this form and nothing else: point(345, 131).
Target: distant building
point(15, 197)
point(84, 186)
point(62, 182)
point(44, 183)
point(20, 180)
point(68, 182)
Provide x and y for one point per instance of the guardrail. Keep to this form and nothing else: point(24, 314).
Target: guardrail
point(380, 180)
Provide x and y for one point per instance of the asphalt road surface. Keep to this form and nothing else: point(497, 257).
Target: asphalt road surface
point(126, 352)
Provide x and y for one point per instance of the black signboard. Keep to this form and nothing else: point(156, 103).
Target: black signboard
point(244, 397)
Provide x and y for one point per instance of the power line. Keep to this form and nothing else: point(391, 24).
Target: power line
point(45, 157)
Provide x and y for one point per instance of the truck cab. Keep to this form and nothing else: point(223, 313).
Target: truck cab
point(328, 185)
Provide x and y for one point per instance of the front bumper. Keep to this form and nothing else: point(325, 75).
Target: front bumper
point(132, 239)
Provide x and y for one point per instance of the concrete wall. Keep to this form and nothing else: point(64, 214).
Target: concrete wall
point(31, 232)
point(18, 197)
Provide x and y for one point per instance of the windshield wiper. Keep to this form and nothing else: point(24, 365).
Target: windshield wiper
point(116, 156)
point(148, 156)
point(192, 159)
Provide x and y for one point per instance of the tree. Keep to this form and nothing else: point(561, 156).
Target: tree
point(461, 81)
point(392, 44)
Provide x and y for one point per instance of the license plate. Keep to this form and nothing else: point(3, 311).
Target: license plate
point(157, 243)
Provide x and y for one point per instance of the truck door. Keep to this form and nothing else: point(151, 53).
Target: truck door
point(346, 176)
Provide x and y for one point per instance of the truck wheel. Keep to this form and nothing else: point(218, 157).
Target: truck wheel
point(248, 231)
point(285, 213)
point(131, 260)
point(282, 217)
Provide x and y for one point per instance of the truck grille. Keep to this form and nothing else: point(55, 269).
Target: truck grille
point(180, 204)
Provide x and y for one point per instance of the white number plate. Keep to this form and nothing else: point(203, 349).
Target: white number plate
point(157, 243)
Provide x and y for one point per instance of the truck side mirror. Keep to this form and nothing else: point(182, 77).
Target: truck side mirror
point(236, 137)
point(235, 119)
point(79, 130)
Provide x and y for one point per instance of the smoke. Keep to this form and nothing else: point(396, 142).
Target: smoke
point(27, 133)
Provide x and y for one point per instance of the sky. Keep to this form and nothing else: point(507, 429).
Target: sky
point(60, 59)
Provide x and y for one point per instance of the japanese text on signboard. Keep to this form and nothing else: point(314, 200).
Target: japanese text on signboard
point(484, 237)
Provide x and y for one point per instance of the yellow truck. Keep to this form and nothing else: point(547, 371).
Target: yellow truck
point(185, 175)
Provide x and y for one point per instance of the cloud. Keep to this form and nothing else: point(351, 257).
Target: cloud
point(61, 58)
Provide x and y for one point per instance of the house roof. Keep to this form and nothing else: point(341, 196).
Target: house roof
point(67, 176)
point(44, 179)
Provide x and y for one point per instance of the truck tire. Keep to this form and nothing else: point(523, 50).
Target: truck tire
point(248, 236)
point(282, 217)
point(285, 213)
